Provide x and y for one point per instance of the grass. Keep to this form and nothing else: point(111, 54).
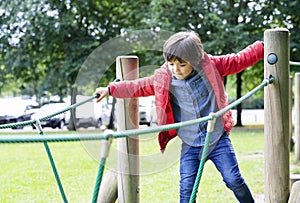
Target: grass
point(295, 165)
point(26, 174)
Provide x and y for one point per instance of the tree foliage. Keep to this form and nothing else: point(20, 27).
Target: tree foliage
point(44, 43)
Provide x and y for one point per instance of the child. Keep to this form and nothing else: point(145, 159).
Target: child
point(189, 85)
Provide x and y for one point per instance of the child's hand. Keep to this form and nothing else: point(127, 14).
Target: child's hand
point(102, 91)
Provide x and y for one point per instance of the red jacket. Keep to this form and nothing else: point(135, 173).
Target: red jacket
point(215, 68)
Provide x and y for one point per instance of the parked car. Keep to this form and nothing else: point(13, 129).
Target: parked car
point(147, 111)
point(13, 109)
point(7, 119)
point(88, 114)
point(22, 118)
point(58, 121)
point(106, 114)
point(88, 122)
point(29, 111)
point(145, 117)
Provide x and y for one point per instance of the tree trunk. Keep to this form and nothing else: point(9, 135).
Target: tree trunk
point(111, 124)
point(239, 95)
point(72, 120)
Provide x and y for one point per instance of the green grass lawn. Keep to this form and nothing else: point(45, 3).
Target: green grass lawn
point(26, 174)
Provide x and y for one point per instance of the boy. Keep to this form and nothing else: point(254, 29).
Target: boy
point(188, 86)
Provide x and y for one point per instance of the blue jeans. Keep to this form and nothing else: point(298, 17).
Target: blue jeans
point(223, 157)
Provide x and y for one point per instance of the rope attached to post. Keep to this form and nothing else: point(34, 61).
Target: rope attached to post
point(103, 154)
point(49, 154)
point(32, 122)
point(294, 63)
point(210, 129)
point(134, 132)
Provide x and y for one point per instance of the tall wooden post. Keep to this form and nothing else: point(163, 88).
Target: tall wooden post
point(291, 110)
point(128, 148)
point(276, 116)
point(297, 116)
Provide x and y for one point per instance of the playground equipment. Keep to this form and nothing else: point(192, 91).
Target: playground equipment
point(277, 187)
point(276, 116)
point(124, 134)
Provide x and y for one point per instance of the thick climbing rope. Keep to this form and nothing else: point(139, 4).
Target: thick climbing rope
point(31, 122)
point(104, 154)
point(49, 154)
point(293, 63)
point(127, 133)
point(69, 138)
point(47, 148)
point(210, 128)
point(133, 132)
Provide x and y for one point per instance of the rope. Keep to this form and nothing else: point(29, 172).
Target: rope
point(293, 63)
point(127, 133)
point(49, 154)
point(134, 132)
point(31, 122)
point(47, 148)
point(104, 154)
point(264, 83)
point(210, 127)
point(98, 180)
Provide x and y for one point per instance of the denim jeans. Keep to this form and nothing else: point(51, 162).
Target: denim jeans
point(224, 159)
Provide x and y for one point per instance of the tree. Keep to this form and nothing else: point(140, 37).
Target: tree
point(215, 21)
point(45, 43)
point(228, 26)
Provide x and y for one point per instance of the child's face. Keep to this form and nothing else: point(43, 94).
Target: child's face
point(180, 69)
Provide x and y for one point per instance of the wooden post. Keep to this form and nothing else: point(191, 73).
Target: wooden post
point(108, 191)
point(128, 118)
point(295, 197)
point(276, 116)
point(291, 111)
point(297, 116)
